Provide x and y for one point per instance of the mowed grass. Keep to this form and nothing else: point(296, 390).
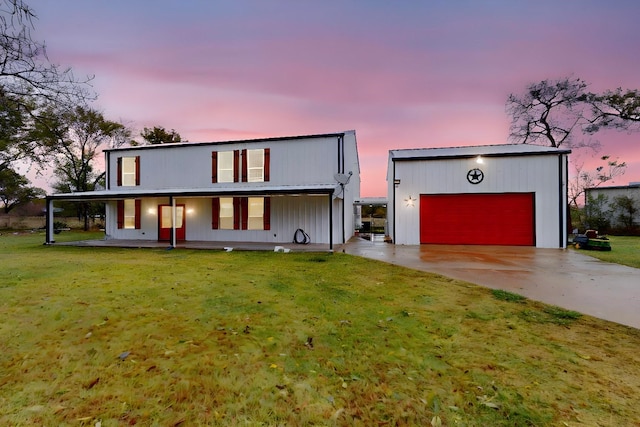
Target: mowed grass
point(167, 338)
point(624, 250)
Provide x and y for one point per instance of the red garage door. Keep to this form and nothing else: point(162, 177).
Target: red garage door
point(477, 219)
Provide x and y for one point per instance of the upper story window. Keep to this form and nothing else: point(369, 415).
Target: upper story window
point(255, 165)
point(129, 171)
point(224, 166)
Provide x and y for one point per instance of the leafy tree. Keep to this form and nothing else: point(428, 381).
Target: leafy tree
point(626, 209)
point(158, 135)
point(79, 134)
point(15, 190)
point(596, 213)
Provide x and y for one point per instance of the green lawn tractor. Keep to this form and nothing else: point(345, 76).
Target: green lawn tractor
point(590, 240)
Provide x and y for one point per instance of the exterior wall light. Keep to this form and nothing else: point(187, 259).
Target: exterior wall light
point(479, 160)
point(410, 202)
point(190, 211)
point(151, 211)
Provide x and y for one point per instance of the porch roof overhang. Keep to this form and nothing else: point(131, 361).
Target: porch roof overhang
point(105, 195)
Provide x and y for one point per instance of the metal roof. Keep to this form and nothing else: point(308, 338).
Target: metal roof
point(199, 192)
point(239, 141)
point(499, 150)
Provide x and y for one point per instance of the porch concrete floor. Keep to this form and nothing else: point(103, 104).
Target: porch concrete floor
point(201, 244)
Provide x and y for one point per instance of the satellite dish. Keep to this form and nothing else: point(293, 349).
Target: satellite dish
point(342, 178)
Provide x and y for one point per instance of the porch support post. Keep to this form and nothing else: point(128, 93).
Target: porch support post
point(330, 222)
point(49, 222)
point(172, 201)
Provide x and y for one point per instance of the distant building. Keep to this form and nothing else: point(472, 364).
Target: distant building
point(610, 193)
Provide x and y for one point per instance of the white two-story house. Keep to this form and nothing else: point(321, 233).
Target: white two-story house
point(260, 190)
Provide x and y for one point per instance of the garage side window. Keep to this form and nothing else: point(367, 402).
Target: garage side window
point(128, 171)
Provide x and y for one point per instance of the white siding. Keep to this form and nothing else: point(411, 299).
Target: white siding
point(300, 162)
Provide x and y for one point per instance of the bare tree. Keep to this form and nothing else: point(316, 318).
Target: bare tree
point(617, 109)
point(29, 83)
point(548, 113)
point(582, 179)
point(25, 69)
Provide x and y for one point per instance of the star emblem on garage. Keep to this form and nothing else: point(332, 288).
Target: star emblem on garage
point(475, 176)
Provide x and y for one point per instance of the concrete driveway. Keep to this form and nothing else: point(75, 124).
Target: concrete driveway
point(565, 278)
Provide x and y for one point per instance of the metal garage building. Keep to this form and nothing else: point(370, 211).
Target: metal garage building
point(482, 195)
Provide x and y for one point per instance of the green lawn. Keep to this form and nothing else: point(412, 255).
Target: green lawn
point(624, 250)
point(181, 337)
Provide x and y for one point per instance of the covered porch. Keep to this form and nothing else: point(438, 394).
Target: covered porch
point(291, 206)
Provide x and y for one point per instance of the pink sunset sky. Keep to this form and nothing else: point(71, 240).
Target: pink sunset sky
point(402, 74)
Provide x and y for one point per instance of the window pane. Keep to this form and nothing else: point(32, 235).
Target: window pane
point(256, 211)
point(128, 171)
point(225, 166)
point(179, 216)
point(165, 220)
point(255, 165)
point(226, 213)
point(129, 213)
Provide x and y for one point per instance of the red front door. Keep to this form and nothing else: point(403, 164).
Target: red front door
point(165, 219)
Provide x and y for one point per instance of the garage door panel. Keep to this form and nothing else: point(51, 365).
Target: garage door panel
point(480, 219)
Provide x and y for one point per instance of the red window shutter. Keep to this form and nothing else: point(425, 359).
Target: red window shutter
point(119, 171)
point(137, 170)
point(236, 164)
point(244, 165)
point(266, 215)
point(214, 167)
point(245, 212)
point(267, 155)
point(236, 213)
point(215, 213)
point(120, 213)
point(138, 212)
